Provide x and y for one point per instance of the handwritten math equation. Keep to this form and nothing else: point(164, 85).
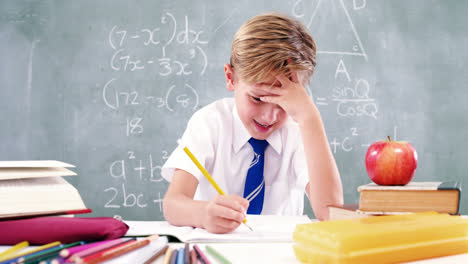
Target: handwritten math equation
point(159, 39)
point(352, 98)
point(163, 55)
point(135, 169)
point(171, 50)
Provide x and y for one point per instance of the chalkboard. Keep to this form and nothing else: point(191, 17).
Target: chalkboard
point(110, 85)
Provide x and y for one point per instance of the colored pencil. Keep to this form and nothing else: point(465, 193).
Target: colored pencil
point(181, 256)
point(47, 253)
point(159, 253)
point(42, 259)
point(96, 254)
point(13, 249)
point(57, 260)
point(119, 250)
point(97, 248)
point(39, 254)
point(175, 252)
point(217, 255)
point(16, 256)
point(70, 251)
point(200, 255)
point(167, 256)
point(187, 254)
point(142, 254)
point(193, 256)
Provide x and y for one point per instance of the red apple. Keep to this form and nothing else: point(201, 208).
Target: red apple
point(391, 162)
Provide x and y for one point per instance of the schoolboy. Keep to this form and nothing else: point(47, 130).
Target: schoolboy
point(272, 60)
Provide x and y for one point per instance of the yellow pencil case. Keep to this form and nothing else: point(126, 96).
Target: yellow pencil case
point(381, 239)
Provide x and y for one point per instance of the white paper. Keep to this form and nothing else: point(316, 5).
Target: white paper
point(33, 164)
point(266, 228)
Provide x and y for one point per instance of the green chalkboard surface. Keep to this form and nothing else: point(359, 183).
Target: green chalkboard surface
point(109, 85)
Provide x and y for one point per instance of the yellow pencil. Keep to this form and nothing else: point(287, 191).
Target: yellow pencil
point(206, 174)
point(5, 254)
point(19, 254)
point(167, 256)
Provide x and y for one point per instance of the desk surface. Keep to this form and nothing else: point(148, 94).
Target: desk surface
point(283, 253)
point(280, 253)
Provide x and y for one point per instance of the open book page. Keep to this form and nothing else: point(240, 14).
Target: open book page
point(34, 164)
point(266, 228)
point(22, 173)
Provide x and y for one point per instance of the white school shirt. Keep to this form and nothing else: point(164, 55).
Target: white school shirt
point(218, 139)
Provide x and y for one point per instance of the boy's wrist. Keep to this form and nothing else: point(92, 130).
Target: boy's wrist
point(309, 115)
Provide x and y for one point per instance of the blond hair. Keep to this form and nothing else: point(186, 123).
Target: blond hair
point(272, 43)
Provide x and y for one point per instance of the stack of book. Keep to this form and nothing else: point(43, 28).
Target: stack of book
point(36, 188)
point(441, 197)
point(345, 211)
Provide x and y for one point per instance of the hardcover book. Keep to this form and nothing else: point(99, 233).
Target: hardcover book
point(345, 211)
point(442, 197)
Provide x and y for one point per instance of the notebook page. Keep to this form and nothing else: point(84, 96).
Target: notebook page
point(266, 228)
point(144, 228)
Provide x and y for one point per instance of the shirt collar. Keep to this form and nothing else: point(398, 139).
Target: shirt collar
point(241, 136)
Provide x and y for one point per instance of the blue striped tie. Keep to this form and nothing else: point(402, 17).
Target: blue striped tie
point(254, 190)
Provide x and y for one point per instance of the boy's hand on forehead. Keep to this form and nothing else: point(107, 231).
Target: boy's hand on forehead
point(290, 95)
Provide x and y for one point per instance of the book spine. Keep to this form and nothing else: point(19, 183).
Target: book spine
point(452, 185)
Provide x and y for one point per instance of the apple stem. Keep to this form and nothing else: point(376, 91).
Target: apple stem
point(389, 139)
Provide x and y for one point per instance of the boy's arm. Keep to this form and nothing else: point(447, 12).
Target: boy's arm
point(178, 203)
point(324, 187)
point(220, 215)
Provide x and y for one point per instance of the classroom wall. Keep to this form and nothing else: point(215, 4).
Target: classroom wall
point(109, 85)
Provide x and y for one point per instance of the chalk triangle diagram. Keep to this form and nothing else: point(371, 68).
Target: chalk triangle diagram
point(334, 31)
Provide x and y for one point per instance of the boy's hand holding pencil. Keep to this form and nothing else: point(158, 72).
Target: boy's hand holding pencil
point(224, 213)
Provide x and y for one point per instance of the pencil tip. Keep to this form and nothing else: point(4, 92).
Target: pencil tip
point(248, 227)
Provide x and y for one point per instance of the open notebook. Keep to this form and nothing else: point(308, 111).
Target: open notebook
point(266, 228)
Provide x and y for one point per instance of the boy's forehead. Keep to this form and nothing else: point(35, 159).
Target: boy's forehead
point(270, 80)
point(261, 90)
point(257, 91)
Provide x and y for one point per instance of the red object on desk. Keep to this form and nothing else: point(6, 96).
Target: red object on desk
point(98, 248)
point(43, 230)
point(98, 256)
point(117, 250)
